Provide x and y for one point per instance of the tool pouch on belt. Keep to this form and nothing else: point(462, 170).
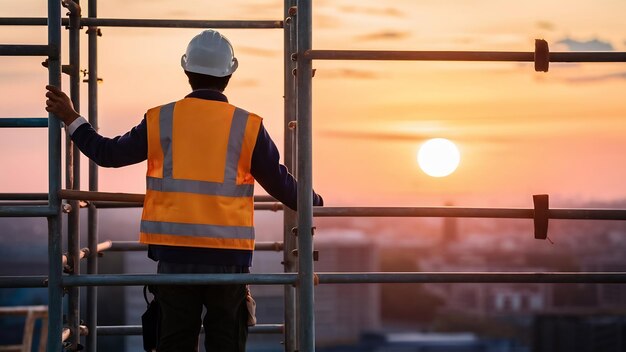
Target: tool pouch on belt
point(150, 323)
point(251, 305)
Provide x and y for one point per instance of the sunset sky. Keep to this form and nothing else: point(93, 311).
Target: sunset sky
point(519, 132)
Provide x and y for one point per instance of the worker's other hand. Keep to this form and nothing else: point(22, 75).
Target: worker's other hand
point(60, 105)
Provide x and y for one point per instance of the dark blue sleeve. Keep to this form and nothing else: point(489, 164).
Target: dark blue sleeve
point(130, 148)
point(272, 175)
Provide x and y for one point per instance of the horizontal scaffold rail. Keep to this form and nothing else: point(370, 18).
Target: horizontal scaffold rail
point(24, 196)
point(23, 281)
point(120, 197)
point(458, 212)
point(473, 277)
point(516, 56)
point(123, 246)
point(136, 329)
point(22, 203)
point(324, 278)
point(26, 211)
point(21, 122)
point(25, 50)
point(134, 246)
point(454, 212)
point(22, 200)
point(117, 205)
point(179, 279)
point(146, 23)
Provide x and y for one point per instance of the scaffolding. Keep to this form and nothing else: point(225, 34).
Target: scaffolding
point(298, 277)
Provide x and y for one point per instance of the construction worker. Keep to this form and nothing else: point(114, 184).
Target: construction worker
point(203, 155)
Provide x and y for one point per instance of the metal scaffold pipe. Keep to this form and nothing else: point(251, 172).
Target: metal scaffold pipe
point(55, 267)
point(71, 261)
point(26, 211)
point(136, 329)
point(117, 205)
point(25, 50)
point(23, 281)
point(305, 292)
point(148, 23)
point(121, 197)
point(167, 23)
point(457, 212)
point(325, 278)
point(23, 122)
point(179, 279)
point(91, 342)
point(134, 246)
point(289, 140)
point(23, 203)
point(515, 56)
point(473, 277)
point(24, 196)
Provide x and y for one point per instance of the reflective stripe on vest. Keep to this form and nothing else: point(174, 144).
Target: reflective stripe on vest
point(189, 201)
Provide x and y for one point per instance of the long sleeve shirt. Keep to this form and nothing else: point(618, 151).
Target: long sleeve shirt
point(132, 147)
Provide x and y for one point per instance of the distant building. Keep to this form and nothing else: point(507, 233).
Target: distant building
point(608, 295)
point(431, 342)
point(342, 311)
point(475, 254)
point(345, 311)
point(579, 333)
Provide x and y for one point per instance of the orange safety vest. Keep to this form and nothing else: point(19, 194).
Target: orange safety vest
point(199, 190)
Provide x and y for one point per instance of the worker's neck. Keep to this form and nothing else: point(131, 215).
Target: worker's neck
point(207, 88)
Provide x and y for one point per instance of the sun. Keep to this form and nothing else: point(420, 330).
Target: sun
point(438, 157)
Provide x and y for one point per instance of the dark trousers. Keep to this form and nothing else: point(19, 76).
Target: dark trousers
point(225, 321)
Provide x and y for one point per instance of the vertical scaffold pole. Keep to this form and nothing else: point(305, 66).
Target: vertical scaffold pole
point(55, 289)
point(92, 213)
point(289, 216)
point(306, 319)
point(72, 176)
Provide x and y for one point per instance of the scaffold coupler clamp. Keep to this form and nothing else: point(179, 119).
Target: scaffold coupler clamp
point(541, 216)
point(542, 56)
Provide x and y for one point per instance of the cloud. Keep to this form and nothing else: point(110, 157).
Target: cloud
point(591, 45)
point(597, 78)
point(347, 73)
point(388, 11)
point(415, 137)
point(384, 35)
point(549, 26)
point(256, 51)
point(379, 136)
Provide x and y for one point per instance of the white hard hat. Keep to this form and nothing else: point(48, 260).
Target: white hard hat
point(209, 53)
